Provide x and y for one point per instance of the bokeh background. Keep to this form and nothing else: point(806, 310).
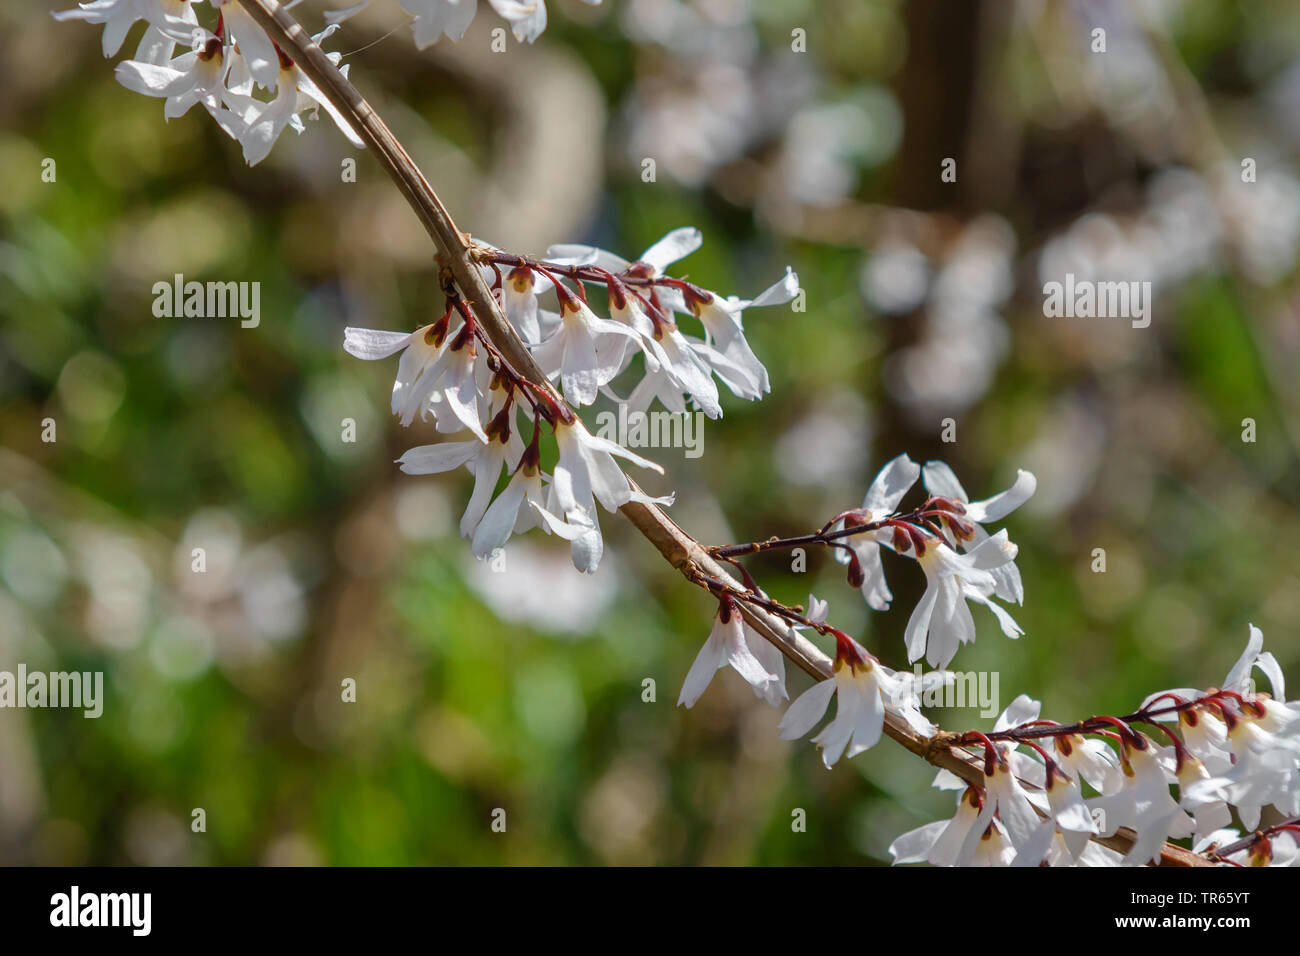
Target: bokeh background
point(524, 690)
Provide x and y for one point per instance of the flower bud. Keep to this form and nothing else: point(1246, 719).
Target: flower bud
point(938, 503)
point(857, 518)
point(962, 529)
point(902, 540)
point(857, 577)
point(726, 608)
point(437, 333)
point(499, 427)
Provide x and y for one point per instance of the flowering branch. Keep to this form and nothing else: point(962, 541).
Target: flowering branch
point(454, 253)
point(484, 318)
point(1233, 746)
point(494, 353)
point(490, 301)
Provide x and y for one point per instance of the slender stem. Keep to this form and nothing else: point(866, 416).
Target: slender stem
point(823, 536)
point(1251, 839)
point(456, 255)
point(1037, 730)
point(919, 519)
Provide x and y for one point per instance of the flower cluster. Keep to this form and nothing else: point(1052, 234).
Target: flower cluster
point(245, 81)
point(586, 352)
point(450, 371)
point(1233, 748)
point(945, 535)
point(434, 19)
point(865, 689)
point(961, 561)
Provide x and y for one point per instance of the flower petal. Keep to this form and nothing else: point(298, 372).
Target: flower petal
point(808, 708)
point(373, 344)
point(890, 485)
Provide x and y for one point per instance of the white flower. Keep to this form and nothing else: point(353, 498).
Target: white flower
point(586, 352)
point(941, 843)
point(438, 370)
point(1143, 803)
point(295, 93)
point(1250, 755)
point(221, 71)
point(1088, 759)
point(993, 848)
point(1205, 736)
point(1068, 811)
point(772, 661)
point(981, 831)
point(170, 22)
point(1064, 835)
point(458, 389)
point(435, 19)
point(196, 77)
point(731, 641)
point(419, 349)
point(519, 291)
point(727, 350)
point(893, 481)
point(1264, 772)
point(485, 459)
point(518, 508)
point(527, 19)
point(1010, 802)
point(941, 621)
point(1023, 710)
point(264, 61)
point(677, 244)
point(861, 687)
point(429, 355)
point(1253, 656)
point(939, 480)
point(586, 471)
point(673, 367)
point(915, 846)
point(1208, 812)
point(116, 16)
point(677, 364)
